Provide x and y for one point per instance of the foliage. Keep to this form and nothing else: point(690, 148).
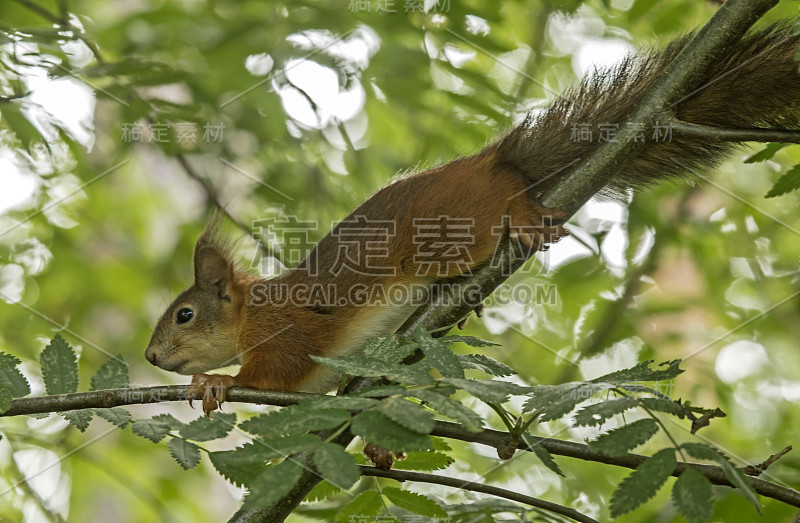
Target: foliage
point(270, 464)
point(104, 233)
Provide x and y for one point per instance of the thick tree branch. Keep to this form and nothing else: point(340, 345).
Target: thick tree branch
point(444, 429)
point(721, 134)
point(403, 475)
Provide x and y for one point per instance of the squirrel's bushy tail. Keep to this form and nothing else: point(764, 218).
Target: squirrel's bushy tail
point(755, 85)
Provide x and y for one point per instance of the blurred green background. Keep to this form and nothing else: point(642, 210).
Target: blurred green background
point(306, 108)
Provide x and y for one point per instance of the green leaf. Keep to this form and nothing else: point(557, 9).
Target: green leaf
point(643, 483)
point(339, 402)
point(78, 418)
point(365, 505)
point(490, 391)
point(485, 364)
point(115, 415)
point(156, 428)
point(643, 372)
point(11, 378)
point(542, 453)
point(408, 414)
point(734, 475)
point(450, 408)
point(664, 405)
point(766, 153)
point(598, 413)
point(206, 428)
point(388, 348)
point(322, 491)
point(790, 181)
point(413, 502)
point(555, 401)
point(358, 365)
point(693, 496)
point(239, 466)
point(429, 460)
point(618, 441)
point(439, 355)
point(282, 446)
point(472, 341)
point(383, 391)
point(375, 428)
point(336, 465)
point(272, 484)
point(59, 367)
point(5, 398)
point(187, 454)
point(113, 374)
point(295, 420)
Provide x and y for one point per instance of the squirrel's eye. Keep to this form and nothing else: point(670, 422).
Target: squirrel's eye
point(184, 315)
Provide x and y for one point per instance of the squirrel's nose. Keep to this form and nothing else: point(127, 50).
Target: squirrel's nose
point(150, 354)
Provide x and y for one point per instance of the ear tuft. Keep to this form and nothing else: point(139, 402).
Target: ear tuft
point(213, 268)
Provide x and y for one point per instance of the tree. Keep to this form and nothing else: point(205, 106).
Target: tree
point(198, 58)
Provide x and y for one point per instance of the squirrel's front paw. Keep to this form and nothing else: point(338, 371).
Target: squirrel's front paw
point(211, 388)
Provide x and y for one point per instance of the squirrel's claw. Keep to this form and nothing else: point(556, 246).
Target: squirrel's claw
point(211, 388)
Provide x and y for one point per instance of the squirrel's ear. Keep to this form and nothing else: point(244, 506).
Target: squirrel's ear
point(212, 269)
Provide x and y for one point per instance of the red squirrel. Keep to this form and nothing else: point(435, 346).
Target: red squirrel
point(231, 316)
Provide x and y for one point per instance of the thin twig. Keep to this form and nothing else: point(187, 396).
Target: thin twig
point(403, 475)
point(733, 135)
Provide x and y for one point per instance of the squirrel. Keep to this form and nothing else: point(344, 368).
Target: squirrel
point(272, 326)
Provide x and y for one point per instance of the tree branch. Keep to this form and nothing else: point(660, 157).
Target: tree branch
point(492, 438)
point(403, 475)
point(733, 135)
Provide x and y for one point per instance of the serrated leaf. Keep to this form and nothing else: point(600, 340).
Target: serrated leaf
point(282, 446)
point(11, 378)
point(5, 398)
point(408, 414)
point(439, 355)
point(542, 453)
point(115, 415)
point(413, 502)
point(643, 483)
point(59, 367)
point(383, 391)
point(693, 496)
point(187, 454)
point(375, 428)
point(272, 484)
point(490, 391)
point(388, 348)
point(339, 402)
point(295, 420)
point(206, 428)
point(78, 418)
point(336, 465)
point(430, 460)
point(365, 505)
point(766, 153)
point(237, 468)
point(734, 475)
point(789, 181)
point(619, 441)
point(598, 413)
point(642, 372)
point(155, 428)
point(555, 401)
point(113, 374)
point(485, 364)
point(450, 408)
point(472, 341)
point(322, 491)
point(358, 365)
point(664, 405)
